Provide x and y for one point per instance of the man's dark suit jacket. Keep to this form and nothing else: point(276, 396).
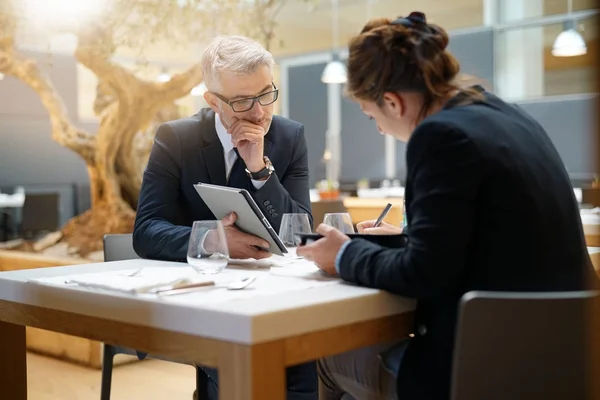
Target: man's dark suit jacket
point(187, 151)
point(489, 206)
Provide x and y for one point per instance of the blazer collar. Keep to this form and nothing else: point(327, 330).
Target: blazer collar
point(211, 148)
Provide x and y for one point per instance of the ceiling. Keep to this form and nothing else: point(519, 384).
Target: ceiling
point(354, 13)
point(305, 26)
point(308, 26)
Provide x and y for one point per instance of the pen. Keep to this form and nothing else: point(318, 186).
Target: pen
point(385, 211)
point(178, 287)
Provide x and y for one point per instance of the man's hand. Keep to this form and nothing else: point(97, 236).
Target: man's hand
point(240, 244)
point(367, 228)
point(324, 251)
point(249, 138)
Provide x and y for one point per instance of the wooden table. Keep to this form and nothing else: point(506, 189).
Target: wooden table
point(595, 257)
point(250, 341)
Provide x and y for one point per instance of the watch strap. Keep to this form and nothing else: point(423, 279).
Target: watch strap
point(263, 173)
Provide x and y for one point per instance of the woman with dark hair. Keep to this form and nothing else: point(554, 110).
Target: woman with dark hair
point(489, 206)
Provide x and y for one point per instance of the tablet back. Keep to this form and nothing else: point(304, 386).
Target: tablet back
point(223, 200)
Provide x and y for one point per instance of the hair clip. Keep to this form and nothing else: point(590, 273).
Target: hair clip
point(402, 21)
point(418, 17)
point(413, 18)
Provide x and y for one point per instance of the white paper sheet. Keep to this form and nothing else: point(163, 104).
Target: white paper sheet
point(265, 284)
point(142, 280)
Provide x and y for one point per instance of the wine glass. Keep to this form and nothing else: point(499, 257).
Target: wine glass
point(340, 221)
point(207, 249)
point(292, 225)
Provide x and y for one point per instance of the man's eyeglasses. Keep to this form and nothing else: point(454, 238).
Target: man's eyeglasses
point(243, 105)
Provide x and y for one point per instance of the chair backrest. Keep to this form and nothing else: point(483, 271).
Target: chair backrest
point(322, 207)
point(40, 212)
point(523, 346)
point(119, 247)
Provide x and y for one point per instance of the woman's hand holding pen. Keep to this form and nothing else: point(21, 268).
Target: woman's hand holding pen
point(368, 228)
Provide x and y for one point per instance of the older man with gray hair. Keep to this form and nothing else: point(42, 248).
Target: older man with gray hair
point(237, 142)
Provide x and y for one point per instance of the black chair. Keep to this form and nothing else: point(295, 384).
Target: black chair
point(322, 207)
point(523, 346)
point(40, 214)
point(120, 247)
point(5, 222)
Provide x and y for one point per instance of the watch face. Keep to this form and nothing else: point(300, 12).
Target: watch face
point(269, 164)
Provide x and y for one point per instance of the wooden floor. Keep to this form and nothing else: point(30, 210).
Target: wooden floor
point(50, 379)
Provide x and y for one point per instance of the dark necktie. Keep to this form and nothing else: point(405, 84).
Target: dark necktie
point(237, 176)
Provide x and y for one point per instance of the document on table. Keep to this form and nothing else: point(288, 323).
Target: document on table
point(142, 280)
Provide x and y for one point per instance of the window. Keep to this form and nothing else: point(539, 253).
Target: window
point(526, 68)
point(515, 10)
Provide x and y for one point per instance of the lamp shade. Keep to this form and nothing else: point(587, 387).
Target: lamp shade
point(334, 72)
point(1, 76)
point(569, 44)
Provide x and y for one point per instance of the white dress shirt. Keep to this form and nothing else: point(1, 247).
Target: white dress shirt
point(229, 152)
point(230, 157)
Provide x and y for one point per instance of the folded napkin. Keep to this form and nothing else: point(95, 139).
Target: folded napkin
point(144, 280)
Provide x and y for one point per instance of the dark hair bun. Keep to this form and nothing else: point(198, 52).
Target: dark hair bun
point(429, 36)
point(418, 17)
point(438, 36)
point(402, 55)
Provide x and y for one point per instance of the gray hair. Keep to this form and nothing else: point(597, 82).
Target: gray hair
point(235, 54)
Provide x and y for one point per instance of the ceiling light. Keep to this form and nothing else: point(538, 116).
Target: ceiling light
point(334, 72)
point(569, 43)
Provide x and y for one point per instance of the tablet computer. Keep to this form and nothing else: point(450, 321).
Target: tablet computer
point(223, 200)
point(392, 241)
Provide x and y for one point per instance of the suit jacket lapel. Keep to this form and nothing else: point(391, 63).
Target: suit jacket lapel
point(268, 147)
point(212, 151)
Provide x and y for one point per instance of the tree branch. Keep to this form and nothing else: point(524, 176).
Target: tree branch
point(94, 49)
point(8, 26)
point(180, 85)
point(63, 131)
